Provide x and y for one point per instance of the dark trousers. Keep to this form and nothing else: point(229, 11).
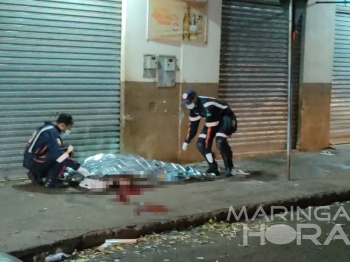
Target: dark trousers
point(206, 138)
point(52, 169)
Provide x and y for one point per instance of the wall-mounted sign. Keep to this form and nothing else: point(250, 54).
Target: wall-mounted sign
point(177, 20)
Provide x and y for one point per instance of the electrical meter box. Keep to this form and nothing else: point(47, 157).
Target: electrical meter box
point(166, 72)
point(169, 64)
point(150, 62)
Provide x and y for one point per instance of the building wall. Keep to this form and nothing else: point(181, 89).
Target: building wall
point(153, 121)
point(316, 79)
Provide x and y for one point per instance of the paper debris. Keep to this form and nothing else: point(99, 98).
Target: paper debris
point(121, 241)
point(326, 153)
point(240, 172)
point(158, 243)
point(56, 257)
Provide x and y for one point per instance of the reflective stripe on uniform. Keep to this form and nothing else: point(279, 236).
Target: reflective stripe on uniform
point(221, 135)
point(215, 104)
point(211, 124)
point(192, 119)
point(37, 137)
point(209, 157)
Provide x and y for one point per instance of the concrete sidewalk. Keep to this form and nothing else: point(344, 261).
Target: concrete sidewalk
point(29, 219)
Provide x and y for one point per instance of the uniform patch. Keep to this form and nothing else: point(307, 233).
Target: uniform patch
point(208, 114)
point(184, 96)
point(59, 142)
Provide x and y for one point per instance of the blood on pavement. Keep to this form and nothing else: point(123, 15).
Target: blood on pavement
point(125, 190)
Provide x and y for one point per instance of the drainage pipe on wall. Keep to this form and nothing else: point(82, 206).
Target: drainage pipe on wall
point(290, 19)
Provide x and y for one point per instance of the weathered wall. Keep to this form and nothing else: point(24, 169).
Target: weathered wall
point(154, 123)
point(151, 121)
point(315, 90)
point(315, 116)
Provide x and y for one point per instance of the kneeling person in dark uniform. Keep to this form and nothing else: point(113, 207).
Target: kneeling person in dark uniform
point(221, 123)
point(45, 155)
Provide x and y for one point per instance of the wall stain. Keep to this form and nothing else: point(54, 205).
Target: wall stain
point(152, 107)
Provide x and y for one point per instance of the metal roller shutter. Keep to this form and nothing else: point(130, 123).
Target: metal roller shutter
point(340, 99)
point(59, 56)
point(254, 74)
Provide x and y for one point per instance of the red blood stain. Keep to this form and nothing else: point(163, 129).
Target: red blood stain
point(156, 209)
point(125, 191)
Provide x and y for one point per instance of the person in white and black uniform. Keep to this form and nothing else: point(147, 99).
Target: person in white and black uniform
point(221, 123)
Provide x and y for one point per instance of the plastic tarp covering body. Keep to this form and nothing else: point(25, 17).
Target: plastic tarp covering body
point(104, 165)
point(8, 258)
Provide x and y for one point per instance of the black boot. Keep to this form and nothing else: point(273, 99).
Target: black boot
point(31, 177)
point(226, 154)
point(228, 166)
point(39, 178)
point(56, 184)
point(35, 178)
point(213, 168)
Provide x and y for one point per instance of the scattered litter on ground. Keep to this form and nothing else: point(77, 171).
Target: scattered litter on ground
point(326, 153)
point(240, 172)
point(121, 241)
point(111, 242)
point(56, 257)
point(159, 243)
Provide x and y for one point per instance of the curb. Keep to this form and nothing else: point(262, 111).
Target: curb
point(96, 238)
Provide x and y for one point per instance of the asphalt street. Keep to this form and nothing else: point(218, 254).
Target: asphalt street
point(223, 242)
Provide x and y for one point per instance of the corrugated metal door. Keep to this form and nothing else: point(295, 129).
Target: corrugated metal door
point(254, 73)
point(340, 99)
point(59, 56)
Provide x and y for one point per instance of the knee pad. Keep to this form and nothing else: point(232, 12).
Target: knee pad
point(201, 146)
point(221, 143)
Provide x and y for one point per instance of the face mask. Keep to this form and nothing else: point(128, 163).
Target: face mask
point(65, 134)
point(190, 106)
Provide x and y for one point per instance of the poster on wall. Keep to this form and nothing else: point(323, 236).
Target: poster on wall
point(177, 20)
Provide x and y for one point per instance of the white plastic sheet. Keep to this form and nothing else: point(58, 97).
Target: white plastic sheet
point(103, 165)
